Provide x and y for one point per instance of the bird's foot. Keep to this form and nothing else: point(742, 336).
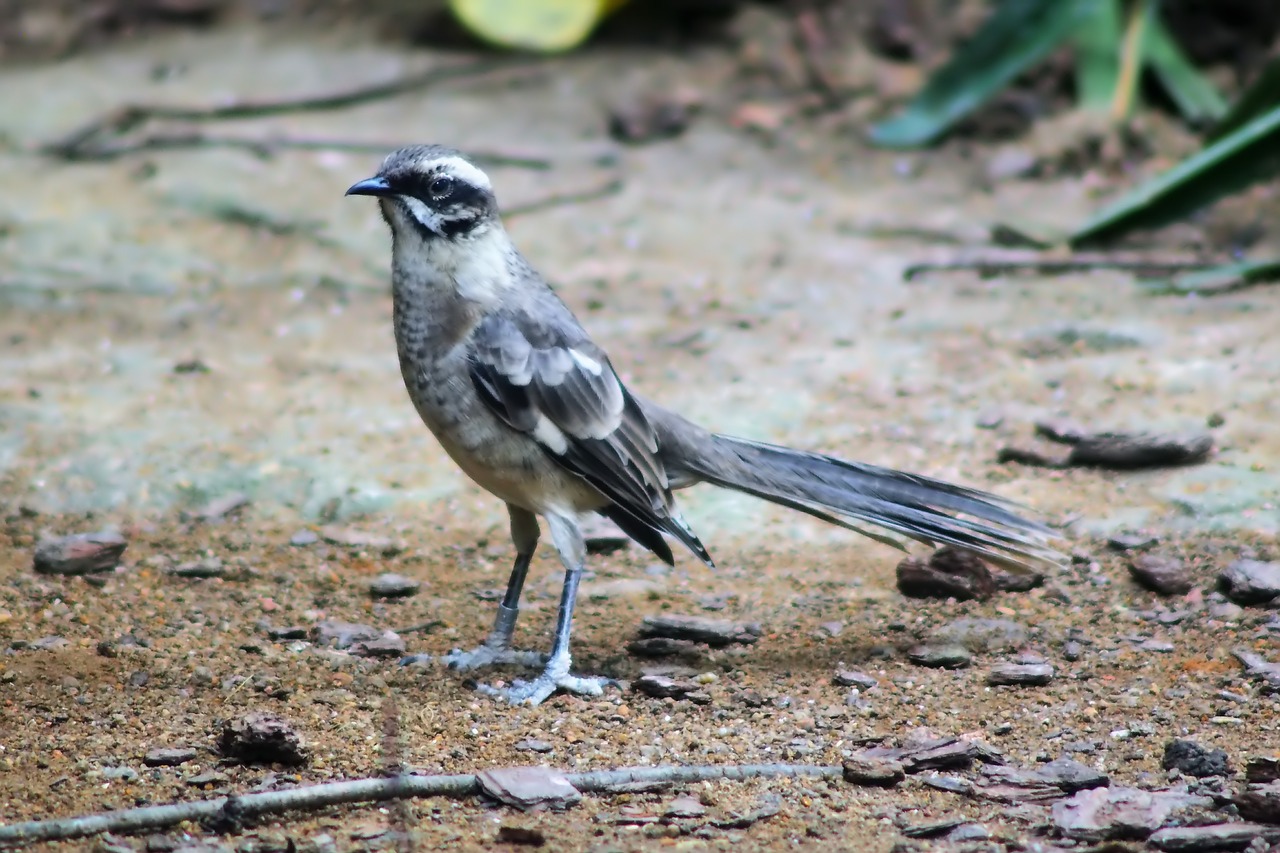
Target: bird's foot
point(555, 677)
point(492, 655)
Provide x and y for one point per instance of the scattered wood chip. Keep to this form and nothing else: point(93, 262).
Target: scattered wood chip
point(1021, 674)
point(528, 788)
point(1262, 768)
point(392, 585)
point(1259, 668)
point(202, 569)
point(853, 678)
point(1104, 814)
point(1114, 450)
point(716, 633)
point(924, 751)
point(168, 756)
point(388, 644)
point(684, 807)
point(262, 738)
point(526, 836)
point(1223, 836)
point(1057, 778)
point(940, 656)
point(341, 635)
point(879, 771)
point(219, 508)
point(769, 806)
point(654, 116)
point(1259, 802)
point(80, 553)
point(663, 687)
point(665, 647)
point(948, 573)
point(352, 538)
point(1251, 581)
point(1161, 573)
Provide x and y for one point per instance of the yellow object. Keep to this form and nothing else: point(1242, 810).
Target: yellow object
point(546, 26)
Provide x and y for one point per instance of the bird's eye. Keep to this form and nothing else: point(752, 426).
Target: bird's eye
point(440, 187)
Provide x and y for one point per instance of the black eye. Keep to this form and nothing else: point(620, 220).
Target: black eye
point(440, 187)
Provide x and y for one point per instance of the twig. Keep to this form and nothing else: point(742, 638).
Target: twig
point(995, 262)
point(264, 148)
point(603, 190)
point(812, 44)
point(393, 768)
point(85, 142)
point(368, 790)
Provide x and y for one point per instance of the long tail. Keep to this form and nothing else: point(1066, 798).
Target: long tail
point(837, 491)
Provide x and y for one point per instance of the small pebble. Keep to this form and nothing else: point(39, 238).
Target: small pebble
point(1021, 674)
point(392, 585)
point(533, 745)
point(209, 567)
point(1161, 573)
point(1133, 541)
point(940, 657)
point(304, 537)
point(1192, 759)
point(262, 738)
point(853, 678)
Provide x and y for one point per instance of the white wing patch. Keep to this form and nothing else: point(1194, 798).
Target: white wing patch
point(550, 436)
point(587, 363)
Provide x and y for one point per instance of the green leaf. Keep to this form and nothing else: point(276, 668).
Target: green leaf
point(1250, 154)
point(1097, 39)
point(1018, 34)
point(1133, 55)
point(1217, 279)
point(1197, 99)
point(1263, 95)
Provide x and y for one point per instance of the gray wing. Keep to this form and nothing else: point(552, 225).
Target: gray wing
point(553, 384)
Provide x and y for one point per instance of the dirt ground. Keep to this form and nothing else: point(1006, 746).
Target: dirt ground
point(180, 326)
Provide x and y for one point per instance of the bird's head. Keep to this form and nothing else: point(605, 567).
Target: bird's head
point(433, 192)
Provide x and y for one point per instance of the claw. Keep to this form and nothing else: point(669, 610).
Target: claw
point(555, 677)
point(538, 690)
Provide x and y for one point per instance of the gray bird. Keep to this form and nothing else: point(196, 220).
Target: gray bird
point(530, 408)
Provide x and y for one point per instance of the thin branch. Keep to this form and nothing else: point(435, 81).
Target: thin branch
point(811, 40)
point(995, 262)
point(603, 190)
point(233, 809)
point(268, 147)
point(84, 142)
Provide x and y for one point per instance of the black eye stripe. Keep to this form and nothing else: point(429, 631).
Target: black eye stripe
point(459, 192)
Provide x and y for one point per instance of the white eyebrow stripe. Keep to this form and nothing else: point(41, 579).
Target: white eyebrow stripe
point(465, 171)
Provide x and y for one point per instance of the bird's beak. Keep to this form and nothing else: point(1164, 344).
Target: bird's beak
point(377, 186)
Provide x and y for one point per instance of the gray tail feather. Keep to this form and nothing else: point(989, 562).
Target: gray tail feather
point(917, 507)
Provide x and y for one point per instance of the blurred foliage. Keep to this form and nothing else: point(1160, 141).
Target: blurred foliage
point(541, 26)
point(1113, 43)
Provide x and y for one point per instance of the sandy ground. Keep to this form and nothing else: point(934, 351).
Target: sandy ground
point(753, 282)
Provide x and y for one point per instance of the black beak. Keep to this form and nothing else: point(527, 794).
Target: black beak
point(371, 186)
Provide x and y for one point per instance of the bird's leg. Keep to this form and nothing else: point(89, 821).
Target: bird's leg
point(497, 649)
point(573, 551)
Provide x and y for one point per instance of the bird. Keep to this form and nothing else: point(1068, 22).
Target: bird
point(528, 406)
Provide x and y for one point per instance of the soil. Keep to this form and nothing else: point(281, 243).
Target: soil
point(180, 326)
